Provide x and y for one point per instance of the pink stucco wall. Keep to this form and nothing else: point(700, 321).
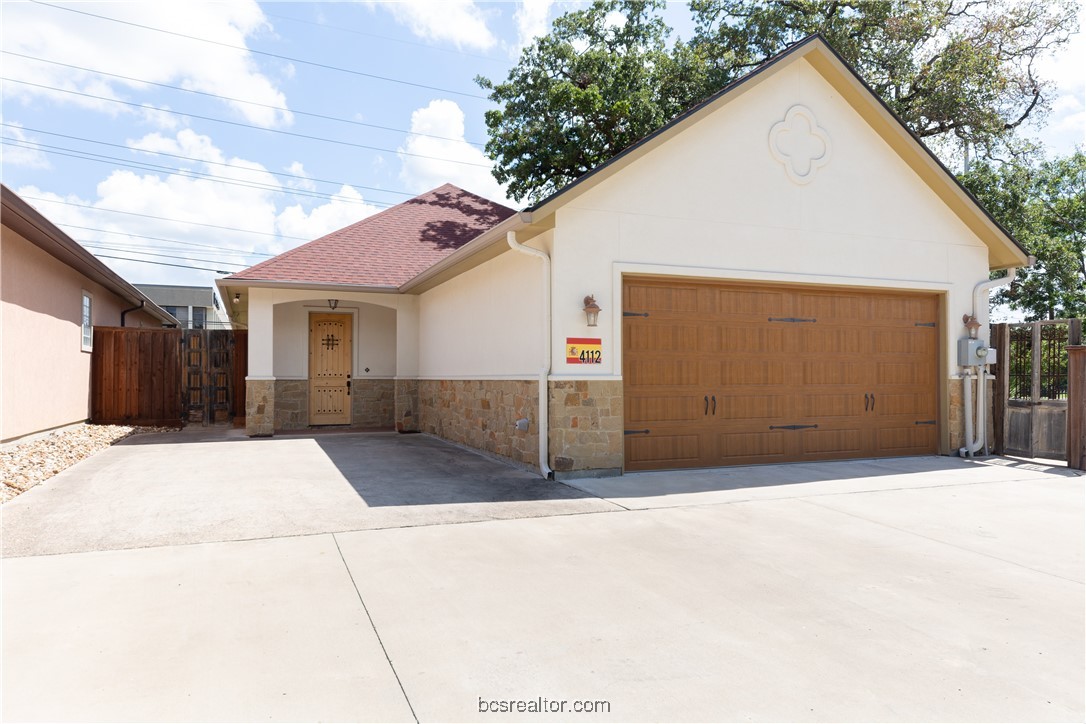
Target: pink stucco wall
point(45, 375)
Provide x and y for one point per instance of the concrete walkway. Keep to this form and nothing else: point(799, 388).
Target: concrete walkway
point(397, 578)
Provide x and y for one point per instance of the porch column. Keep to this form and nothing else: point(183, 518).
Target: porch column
point(407, 366)
point(260, 381)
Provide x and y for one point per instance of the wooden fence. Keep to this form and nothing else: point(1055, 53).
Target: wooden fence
point(167, 376)
point(1030, 404)
point(136, 376)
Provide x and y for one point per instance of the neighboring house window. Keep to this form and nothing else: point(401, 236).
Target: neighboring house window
point(181, 314)
point(87, 323)
point(199, 317)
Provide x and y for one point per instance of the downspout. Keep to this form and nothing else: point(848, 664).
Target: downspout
point(976, 435)
point(545, 369)
point(124, 312)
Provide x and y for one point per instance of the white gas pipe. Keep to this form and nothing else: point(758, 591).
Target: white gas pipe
point(976, 435)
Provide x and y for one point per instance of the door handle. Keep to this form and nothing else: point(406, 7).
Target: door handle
point(348, 387)
point(872, 401)
point(714, 404)
point(707, 404)
point(867, 401)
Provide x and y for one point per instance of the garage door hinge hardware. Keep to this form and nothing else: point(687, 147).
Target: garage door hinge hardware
point(635, 314)
point(791, 319)
point(924, 324)
point(791, 427)
point(635, 432)
point(924, 422)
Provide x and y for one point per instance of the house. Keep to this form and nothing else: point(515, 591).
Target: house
point(53, 292)
point(779, 274)
point(193, 307)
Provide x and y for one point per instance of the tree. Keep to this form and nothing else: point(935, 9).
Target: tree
point(600, 80)
point(1043, 204)
point(960, 73)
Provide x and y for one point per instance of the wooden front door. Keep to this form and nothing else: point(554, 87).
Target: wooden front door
point(329, 369)
point(733, 374)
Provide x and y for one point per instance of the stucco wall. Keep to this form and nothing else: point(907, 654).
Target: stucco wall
point(485, 322)
point(713, 202)
point(373, 338)
point(45, 374)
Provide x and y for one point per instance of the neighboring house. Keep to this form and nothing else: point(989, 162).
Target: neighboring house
point(782, 271)
point(193, 307)
point(52, 293)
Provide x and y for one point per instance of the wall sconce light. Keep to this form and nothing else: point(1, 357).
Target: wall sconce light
point(237, 297)
point(333, 303)
point(591, 310)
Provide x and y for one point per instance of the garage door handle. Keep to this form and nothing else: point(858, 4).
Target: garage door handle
point(707, 404)
point(867, 401)
point(714, 404)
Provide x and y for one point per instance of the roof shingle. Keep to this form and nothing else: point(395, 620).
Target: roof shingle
point(388, 248)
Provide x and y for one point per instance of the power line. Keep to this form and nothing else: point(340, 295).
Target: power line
point(237, 100)
point(263, 52)
point(142, 166)
point(139, 165)
point(169, 241)
point(238, 123)
point(200, 160)
point(388, 37)
point(90, 245)
point(122, 245)
point(163, 218)
point(163, 263)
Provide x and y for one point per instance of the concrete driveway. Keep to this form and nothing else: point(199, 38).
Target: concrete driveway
point(381, 577)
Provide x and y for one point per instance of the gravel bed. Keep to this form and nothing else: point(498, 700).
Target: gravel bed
point(24, 465)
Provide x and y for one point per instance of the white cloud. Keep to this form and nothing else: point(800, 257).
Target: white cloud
point(532, 19)
point(337, 213)
point(66, 37)
point(460, 22)
point(444, 118)
point(304, 183)
point(1066, 125)
point(161, 198)
point(26, 153)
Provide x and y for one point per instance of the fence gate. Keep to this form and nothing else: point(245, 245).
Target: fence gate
point(1030, 405)
point(168, 376)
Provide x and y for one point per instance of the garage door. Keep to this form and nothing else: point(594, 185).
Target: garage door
point(733, 374)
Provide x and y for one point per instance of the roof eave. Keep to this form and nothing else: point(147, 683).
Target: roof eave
point(29, 223)
point(233, 283)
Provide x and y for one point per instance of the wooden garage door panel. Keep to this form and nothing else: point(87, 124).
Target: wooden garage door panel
point(751, 372)
point(751, 407)
point(832, 372)
point(750, 303)
point(661, 338)
point(668, 450)
point(841, 404)
point(910, 440)
point(858, 381)
point(664, 409)
point(833, 308)
point(667, 371)
point(658, 299)
point(740, 448)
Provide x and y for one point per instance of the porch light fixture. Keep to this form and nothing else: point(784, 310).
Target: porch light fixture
point(333, 303)
point(237, 297)
point(591, 310)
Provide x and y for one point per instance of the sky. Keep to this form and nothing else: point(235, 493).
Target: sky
point(201, 138)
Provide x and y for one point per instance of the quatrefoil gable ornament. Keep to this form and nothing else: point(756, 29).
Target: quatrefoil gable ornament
point(800, 144)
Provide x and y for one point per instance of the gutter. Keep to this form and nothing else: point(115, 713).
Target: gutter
point(124, 312)
point(545, 368)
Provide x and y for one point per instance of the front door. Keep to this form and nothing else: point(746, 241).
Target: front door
point(329, 369)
